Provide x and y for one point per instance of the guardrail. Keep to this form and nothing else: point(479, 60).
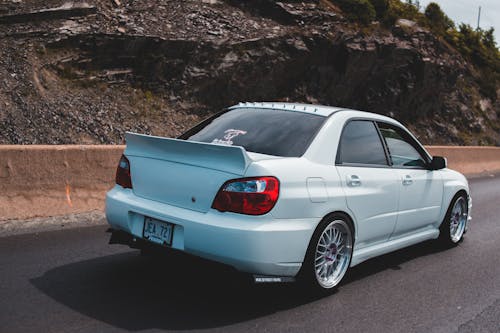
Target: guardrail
point(56, 180)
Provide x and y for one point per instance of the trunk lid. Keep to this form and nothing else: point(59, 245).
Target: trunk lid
point(182, 173)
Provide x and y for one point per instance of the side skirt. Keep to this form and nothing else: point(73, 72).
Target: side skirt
point(392, 245)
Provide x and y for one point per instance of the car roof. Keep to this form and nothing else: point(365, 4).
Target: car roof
point(321, 110)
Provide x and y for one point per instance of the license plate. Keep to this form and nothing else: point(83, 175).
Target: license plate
point(157, 231)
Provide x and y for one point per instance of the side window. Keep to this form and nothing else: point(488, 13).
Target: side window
point(361, 144)
point(399, 143)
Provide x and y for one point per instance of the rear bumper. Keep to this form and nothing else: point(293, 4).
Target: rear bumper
point(254, 244)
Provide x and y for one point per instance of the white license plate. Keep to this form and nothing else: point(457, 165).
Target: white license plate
point(157, 231)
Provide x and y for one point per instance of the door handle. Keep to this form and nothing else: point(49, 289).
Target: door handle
point(353, 180)
point(407, 180)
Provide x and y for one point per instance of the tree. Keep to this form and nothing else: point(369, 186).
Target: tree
point(488, 38)
point(438, 21)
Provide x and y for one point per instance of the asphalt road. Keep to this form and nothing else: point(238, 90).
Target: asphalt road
point(72, 281)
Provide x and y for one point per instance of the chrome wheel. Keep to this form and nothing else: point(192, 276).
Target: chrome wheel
point(333, 254)
point(458, 219)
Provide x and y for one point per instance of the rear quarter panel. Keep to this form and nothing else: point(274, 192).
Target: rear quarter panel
point(307, 189)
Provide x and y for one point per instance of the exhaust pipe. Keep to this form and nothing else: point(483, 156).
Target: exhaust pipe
point(122, 237)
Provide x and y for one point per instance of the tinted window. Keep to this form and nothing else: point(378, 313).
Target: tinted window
point(401, 150)
point(360, 143)
point(272, 132)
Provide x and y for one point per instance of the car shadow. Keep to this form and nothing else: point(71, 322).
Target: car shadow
point(181, 292)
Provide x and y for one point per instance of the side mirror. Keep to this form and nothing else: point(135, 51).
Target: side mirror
point(437, 163)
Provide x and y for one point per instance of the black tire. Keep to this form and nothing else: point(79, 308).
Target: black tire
point(308, 275)
point(454, 218)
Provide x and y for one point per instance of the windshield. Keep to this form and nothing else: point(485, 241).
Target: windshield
point(265, 131)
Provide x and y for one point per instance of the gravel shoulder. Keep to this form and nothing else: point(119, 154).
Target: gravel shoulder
point(42, 224)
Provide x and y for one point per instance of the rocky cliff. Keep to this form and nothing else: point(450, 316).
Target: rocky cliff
point(88, 72)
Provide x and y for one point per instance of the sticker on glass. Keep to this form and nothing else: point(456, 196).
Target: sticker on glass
point(230, 135)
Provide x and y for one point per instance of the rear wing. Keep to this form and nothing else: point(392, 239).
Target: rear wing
point(231, 159)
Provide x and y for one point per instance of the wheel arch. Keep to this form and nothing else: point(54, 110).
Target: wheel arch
point(347, 217)
point(453, 184)
point(449, 195)
point(452, 199)
point(460, 191)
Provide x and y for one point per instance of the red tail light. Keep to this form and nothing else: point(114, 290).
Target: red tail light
point(251, 196)
point(123, 173)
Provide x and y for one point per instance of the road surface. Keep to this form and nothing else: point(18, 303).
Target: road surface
point(73, 281)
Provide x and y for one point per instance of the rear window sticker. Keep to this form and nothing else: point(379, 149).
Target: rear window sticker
point(229, 136)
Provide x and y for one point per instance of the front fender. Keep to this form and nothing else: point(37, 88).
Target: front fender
point(453, 182)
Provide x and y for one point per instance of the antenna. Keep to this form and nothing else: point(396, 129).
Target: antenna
point(478, 17)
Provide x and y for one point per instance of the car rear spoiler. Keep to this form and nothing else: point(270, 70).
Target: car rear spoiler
point(232, 159)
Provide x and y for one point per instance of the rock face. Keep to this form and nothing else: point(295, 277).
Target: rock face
point(159, 67)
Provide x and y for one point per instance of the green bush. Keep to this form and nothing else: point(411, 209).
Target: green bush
point(357, 10)
point(479, 47)
point(404, 10)
point(389, 11)
point(437, 19)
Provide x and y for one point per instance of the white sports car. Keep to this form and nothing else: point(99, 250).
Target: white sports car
point(285, 191)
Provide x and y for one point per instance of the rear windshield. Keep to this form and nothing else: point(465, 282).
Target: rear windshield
point(271, 132)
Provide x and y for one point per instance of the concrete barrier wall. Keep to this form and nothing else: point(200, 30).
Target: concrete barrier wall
point(39, 167)
point(56, 180)
point(469, 160)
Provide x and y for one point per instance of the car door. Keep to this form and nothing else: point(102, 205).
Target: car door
point(371, 186)
point(421, 190)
